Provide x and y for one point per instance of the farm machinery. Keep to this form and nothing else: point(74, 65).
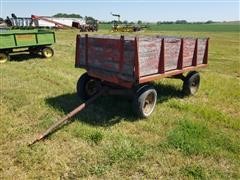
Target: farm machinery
point(33, 41)
point(48, 22)
point(120, 27)
point(128, 65)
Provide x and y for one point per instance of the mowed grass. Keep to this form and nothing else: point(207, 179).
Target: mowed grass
point(186, 137)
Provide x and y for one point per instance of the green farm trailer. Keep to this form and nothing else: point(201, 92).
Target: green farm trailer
point(32, 41)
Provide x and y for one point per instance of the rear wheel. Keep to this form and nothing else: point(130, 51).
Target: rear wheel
point(191, 83)
point(4, 57)
point(87, 86)
point(144, 101)
point(47, 52)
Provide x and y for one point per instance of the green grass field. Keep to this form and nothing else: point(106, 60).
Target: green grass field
point(215, 27)
point(186, 137)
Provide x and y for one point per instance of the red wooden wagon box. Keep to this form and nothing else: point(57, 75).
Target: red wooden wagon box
point(132, 62)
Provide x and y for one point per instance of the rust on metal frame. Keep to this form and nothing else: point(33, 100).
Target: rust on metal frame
point(136, 61)
point(169, 73)
point(77, 55)
point(205, 58)
point(161, 66)
point(86, 50)
point(195, 53)
point(180, 56)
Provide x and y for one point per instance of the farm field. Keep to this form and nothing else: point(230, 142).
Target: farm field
point(185, 137)
point(215, 27)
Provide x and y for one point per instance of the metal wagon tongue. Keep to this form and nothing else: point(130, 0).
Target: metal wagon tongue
point(63, 120)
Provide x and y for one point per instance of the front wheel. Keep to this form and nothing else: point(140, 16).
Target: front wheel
point(47, 52)
point(4, 57)
point(87, 86)
point(144, 101)
point(191, 83)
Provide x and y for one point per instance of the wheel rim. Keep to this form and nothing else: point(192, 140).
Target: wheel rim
point(3, 58)
point(48, 52)
point(149, 103)
point(91, 87)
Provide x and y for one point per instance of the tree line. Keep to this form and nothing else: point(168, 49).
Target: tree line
point(86, 18)
point(158, 22)
point(92, 19)
point(184, 22)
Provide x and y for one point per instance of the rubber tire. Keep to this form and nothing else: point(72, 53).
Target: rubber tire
point(191, 83)
point(139, 100)
point(5, 57)
point(81, 86)
point(44, 52)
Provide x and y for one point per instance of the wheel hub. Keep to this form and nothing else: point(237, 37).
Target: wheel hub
point(91, 87)
point(149, 104)
point(48, 53)
point(3, 58)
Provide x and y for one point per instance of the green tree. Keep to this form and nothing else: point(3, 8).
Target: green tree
point(181, 22)
point(64, 15)
point(90, 19)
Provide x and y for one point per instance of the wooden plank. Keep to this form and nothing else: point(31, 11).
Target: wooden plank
point(201, 50)
point(172, 48)
point(109, 77)
point(188, 51)
point(169, 73)
point(148, 54)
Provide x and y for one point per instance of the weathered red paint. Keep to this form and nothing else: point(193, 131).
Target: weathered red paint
point(112, 79)
point(205, 59)
point(161, 67)
point(127, 61)
point(136, 62)
point(180, 56)
point(77, 55)
point(121, 53)
point(169, 73)
point(194, 61)
point(86, 50)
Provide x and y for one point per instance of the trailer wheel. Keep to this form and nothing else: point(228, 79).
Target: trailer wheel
point(144, 101)
point(4, 57)
point(87, 86)
point(47, 52)
point(191, 83)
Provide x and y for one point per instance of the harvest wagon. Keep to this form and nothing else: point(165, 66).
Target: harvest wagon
point(131, 63)
point(127, 65)
point(33, 41)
